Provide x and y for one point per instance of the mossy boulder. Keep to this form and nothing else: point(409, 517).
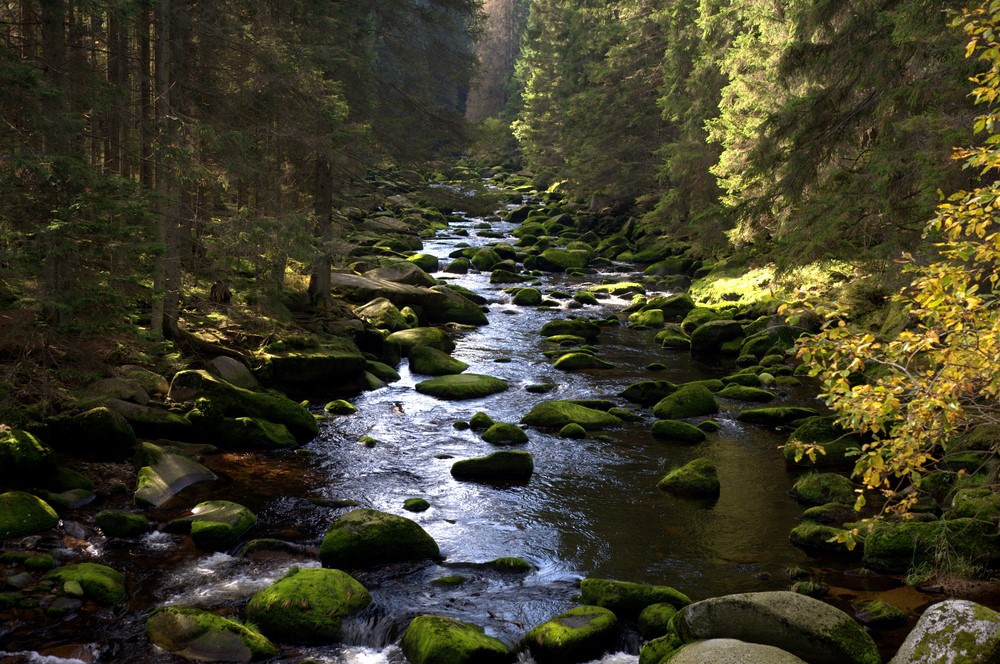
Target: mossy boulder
point(689, 400)
point(674, 307)
point(337, 358)
point(239, 432)
point(673, 431)
point(152, 421)
point(100, 434)
point(628, 599)
point(557, 414)
point(307, 605)
point(485, 259)
point(822, 488)
point(649, 318)
point(577, 361)
point(878, 613)
point(695, 478)
point(561, 260)
point(444, 304)
point(426, 262)
point(163, 473)
point(587, 329)
point(434, 337)
point(981, 503)
point(430, 361)
point(505, 433)
point(340, 407)
point(527, 297)
point(698, 317)
point(830, 514)
point(366, 537)
point(573, 430)
point(458, 266)
point(22, 514)
point(382, 371)
point(502, 466)
point(215, 525)
point(744, 393)
point(510, 564)
point(233, 372)
point(402, 272)
point(235, 402)
point(24, 459)
point(812, 536)
point(100, 583)
point(711, 337)
point(777, 416)
point(808, 628)
point(382, 314)
point(439, 640)
point(673, 338)
point(955, 631)
point(121, 523)
point(199, 635)
point(578, 635)
point(825, 432)
point(480, 421)
point(461, 386)
point(654, 620)
point(896, 547)
point(647, 392)
point(416, 505)
point(771, 339)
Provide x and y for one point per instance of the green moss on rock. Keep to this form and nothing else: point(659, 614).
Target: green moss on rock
point(647, 392)
point(673, 431)
point(580, 361)
point(499, 466)
point(557, 414)
point(215, 525)
point(744, 393)
point(439, 640)
point(22, 514)
point(99, 582)
point(120, 523)
point(24, 459)
point(822, 488)
point(776, 416)
point(690, 400)
point(578, 635)
point(696, 478)
point(628, 599)
point(434, 362)
point(200, 635)
point(307, 605)
point(366, 537)
point(461, 386)
point(505, 433)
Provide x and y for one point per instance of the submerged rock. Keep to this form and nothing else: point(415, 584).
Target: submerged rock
point(307, 605)
point(439, 640)
point(776, 416)
point(578, 635)
point(696, 478)
point(673, 431)
point(366, 537)
point(808, 628)
point(201, 635)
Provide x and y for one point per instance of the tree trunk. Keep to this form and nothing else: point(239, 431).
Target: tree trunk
point(319, 281)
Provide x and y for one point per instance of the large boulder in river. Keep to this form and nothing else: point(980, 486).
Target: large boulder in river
point(436, 639)
point(579, 327)
point(698, 477)
point(647, 392)
point(898, 547)
point(215, 525)
point(383, 314)
point(560, 260)
point(24, 514)
point(434, 337)
point(628, 599)
point(366, 537)
point(433, 362)
point(100, 583)
point(557, 414)
point(307, 605)
point(690, 400)
point(236, 402)
point(710, 338)
point(730, 651)
point(200, 635)
point(581, 634)
point(497, 467)
point(446, 305)
point(808, 628)
point(337, 361)
point(403, 272)
point(954, 630)
point(461, 386)
point(24, 459)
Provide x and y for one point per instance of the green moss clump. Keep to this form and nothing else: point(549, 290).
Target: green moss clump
point(822, 488)
point(439, 640)
point(216, 525)
point(777, 416)
point(878, 613)
point(100, 582)
point(578, 635)
point(573, 430)
point(696, 478)
point(499, 466)
point(677, 432)
point(505, 433)
point(654, 620)
point(628, 599)
point(433, 362)
point(340, 407)
point(658, 650)
point(510, 564)
point(461, 386)
point(202, 635)
point(307, 605)
point(120, 523)
point(451, 580)
point(23, 514)
point(416, 505)
point(24, 458)
point(745, 393)
point(366, 537)
point(557, 414)
point(818, 537)
point(690, 400)
point(647, 392)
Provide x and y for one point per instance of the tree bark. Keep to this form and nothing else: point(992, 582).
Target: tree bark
point(319, 281)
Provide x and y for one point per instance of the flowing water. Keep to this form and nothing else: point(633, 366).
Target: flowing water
point(590, 509)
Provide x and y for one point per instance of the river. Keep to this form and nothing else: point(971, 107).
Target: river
point(590, 509)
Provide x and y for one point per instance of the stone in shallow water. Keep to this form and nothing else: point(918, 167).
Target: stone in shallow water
point(461, 386)
point(953, 631)
point(204, 636)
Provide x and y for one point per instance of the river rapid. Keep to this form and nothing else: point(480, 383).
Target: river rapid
point(590, 509)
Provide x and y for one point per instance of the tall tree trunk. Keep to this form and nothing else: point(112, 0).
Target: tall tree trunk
point(319, 281)
point(147, 111)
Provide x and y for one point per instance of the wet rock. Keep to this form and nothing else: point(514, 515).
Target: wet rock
point(560, 260)
point(527, 297)
point(672, 431)
point(423, 336)
point(382, 314)
point(340, 407)
point(402, 272)
point(628, 599)
point(953, 631)
point(435, 640)
point(200, 635)
point(577, 361)
point(215, 525)
point(426, 262)
point(578, 635)
point(100, 583)
point(648, 318)
point(830, 514)
point(878, 613)
point(656, 650)
point(233, 372)
point(818, 537)
point(382, 371)
point(433, 362)
point(338, 360)
point(239, 432)
point(416, 505)
point(711, 338)
point(461, 386)
point(505, 433)
point(745, 393)
point(557, 414)
point(822, 488)
point(573, 430)
point(731, 651)
point(689, 400)
point(22, 514)
point(162, 474)
point(696, 478)
point(510, 564)
point(481, 422)
point(823, 431)
point(120, 523)
point(307, 605)
point(444, 304)
point(647, 392)
point(366, 537)
point(71, 499)
point(654, 620)
point(578, 327)
point(808, 628)
point(152, 421)
point(236, 402)
point(24, 459)
point(777, 416)
point(897, 547)
point(499, 466)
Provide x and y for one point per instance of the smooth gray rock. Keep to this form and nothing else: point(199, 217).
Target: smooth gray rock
point(954, 631)
point(731, 651)
point(233, 372)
